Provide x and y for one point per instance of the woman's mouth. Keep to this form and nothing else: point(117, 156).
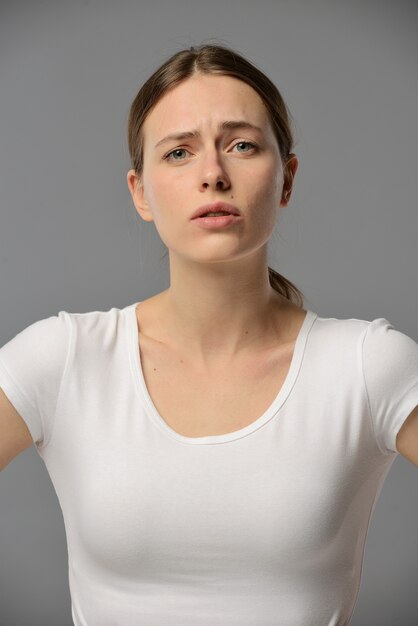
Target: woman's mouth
point(210, 221)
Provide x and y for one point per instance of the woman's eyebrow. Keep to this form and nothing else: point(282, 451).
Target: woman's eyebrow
point(190, 134)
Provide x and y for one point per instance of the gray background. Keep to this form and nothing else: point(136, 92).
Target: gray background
point(71, 240)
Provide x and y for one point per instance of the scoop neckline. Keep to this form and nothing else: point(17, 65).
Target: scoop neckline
point(132, 337)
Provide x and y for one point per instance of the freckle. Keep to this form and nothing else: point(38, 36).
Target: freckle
point(155, 369)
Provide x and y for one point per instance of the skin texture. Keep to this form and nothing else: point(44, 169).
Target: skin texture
point(407, 439)
point(220, 301)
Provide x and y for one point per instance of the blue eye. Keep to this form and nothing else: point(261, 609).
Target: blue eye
point(170, 156)
point(248, 143)
point(173, 152)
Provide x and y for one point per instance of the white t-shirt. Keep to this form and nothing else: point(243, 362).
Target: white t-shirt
point(264, 526)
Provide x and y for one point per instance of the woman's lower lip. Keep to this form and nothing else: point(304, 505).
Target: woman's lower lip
point(217, 221)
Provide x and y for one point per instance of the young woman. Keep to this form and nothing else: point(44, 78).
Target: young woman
point(217, 449)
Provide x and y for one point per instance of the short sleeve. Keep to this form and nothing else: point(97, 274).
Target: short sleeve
point(390, 369)
point(32, 365)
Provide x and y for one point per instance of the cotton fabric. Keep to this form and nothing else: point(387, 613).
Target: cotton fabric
point(264, 526)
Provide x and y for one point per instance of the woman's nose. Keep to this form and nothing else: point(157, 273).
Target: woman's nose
point(213, 173)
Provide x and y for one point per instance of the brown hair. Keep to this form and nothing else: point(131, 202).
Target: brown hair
point(215, 59)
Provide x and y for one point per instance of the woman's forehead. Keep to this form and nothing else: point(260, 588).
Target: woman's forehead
point(202, 100)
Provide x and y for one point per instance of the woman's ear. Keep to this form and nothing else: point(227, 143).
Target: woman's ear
point(136, 188)
point(289, 173)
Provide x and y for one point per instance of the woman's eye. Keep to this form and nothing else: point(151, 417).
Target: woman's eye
point(246, 143)
point(174, 152)
point(175, 155)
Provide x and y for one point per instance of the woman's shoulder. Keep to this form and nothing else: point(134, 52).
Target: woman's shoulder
point(354, 325)
point(98, 326)
point(376, 339)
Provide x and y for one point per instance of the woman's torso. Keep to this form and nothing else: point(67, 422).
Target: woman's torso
point(209, 529)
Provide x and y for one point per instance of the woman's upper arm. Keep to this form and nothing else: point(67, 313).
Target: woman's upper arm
point(14, 434)
point(32, 365)
point(407, 438)
point(390, 368)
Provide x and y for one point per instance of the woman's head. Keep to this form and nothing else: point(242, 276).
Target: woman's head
point(199, 89)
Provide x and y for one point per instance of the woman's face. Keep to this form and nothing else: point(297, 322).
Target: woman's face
point(240, 166)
